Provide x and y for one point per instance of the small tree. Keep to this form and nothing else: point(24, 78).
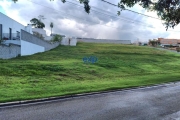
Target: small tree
point(153, 42)
point(178, 49)
point(51, 25)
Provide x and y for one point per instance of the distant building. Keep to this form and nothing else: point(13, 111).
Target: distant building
point(165, 41)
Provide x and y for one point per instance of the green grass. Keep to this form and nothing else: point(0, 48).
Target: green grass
point(61, 71)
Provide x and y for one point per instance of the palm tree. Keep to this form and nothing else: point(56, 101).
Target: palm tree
point(51, 25)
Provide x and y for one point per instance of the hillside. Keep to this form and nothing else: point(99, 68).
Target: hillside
point(61, 71)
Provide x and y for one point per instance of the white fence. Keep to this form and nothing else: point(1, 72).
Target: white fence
point(104, 41)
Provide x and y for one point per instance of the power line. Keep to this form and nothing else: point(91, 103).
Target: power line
point(96, 8)
point(70, 14)
point(130, 10)
point(136, 12)
point(124, 18)
point(65, 13)
point(118, 17)
point(81, 18)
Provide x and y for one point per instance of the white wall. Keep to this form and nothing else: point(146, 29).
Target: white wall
point(48, 38)
point(28, 28)
point(65, 41)
point(73, 42)
point(105, 41)
point(10, 23)
point(39, 30)
point(28, 48)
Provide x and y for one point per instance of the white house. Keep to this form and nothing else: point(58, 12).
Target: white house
point(10, 32)
point(20, 38)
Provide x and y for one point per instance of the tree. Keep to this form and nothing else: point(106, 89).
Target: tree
point(167, 10)
point(154, 42)
point(37, 23)
point(51, 25)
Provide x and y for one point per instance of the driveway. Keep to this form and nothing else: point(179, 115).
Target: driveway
point(150, 103)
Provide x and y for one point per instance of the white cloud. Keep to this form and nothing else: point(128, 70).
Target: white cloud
point(72, 20)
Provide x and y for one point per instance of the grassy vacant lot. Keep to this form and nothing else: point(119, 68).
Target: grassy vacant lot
point(61, 71)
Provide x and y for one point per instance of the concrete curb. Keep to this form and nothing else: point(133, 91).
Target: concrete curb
point(52, 99)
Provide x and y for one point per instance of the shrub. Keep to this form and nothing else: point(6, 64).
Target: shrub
point(57, 38)
point(38, 35)
point(178, 49)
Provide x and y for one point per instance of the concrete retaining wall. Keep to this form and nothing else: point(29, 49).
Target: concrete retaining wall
point(28, 48)
point(10, 51)
point(105, 41)
point(25, 36)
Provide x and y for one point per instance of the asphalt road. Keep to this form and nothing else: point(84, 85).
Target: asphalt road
point(151, 103)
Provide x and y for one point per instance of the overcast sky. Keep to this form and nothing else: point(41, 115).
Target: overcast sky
point(71, 20)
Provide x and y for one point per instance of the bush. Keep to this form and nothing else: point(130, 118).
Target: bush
point(178, 49)
point(57, 38)
point(38, 35)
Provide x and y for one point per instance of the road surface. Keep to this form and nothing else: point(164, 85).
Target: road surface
point(151, 103)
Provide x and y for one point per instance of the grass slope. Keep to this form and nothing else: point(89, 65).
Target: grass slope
point(61, 71)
